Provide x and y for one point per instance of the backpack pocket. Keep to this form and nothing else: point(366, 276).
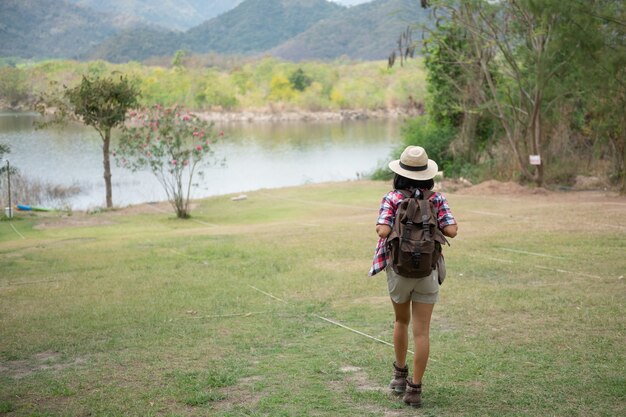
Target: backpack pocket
point(414, 258)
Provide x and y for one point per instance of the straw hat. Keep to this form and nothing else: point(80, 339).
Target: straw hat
point(414, 164)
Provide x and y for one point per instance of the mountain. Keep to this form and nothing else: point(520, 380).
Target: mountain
point(258, 25)
point(291, 29)
point(253, 27)
point(368, 31)
point(39, 29)
point(137, 44)
point(170, 14)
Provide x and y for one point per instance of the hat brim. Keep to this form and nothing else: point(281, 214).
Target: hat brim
point(427, 174)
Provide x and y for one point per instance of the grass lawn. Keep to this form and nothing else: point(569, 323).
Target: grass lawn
point(136, 313)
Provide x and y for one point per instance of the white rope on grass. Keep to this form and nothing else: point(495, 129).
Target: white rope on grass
point(19, 234)
point(531, 253)
point(268, 294)
point(540, 267)
point(15, 284)
point(336, 323)
point(356, 331)
point(220, 316)
point(568, 272)
point(486, 213)
point(343, 326)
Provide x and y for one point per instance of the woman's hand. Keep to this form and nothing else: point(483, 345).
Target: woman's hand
point(450, 230)
point(383, 230)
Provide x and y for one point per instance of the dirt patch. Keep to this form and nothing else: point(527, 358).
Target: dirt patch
point(44, 361)
point(357, 377)
point(493, 187)
point(101, 218)
point(75, 220)
point(242, 394)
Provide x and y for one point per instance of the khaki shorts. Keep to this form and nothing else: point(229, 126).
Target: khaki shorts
point(422, 290)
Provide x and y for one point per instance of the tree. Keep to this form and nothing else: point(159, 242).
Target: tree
point(536, 58)
point(299, 80)
point(98, 102)
point(172, 144)
point(179, 59)
point(5, 150)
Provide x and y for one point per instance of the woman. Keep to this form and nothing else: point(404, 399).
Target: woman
point(412, 298)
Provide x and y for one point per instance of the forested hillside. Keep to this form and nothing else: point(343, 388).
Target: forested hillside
point(258, 25)
point(368, 31)
point(45, 29)
point(170, 14)
point(128, 31)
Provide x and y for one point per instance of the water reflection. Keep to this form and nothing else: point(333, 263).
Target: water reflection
point(257, 155)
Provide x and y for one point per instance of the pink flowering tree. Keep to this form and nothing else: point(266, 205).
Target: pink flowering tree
point(171, 143)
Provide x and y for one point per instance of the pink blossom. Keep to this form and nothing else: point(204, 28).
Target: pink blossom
point(186, 118)
point(199, 147)
point(221, 133)
point(174, 162)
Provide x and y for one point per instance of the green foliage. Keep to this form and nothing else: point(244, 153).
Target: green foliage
point(423, 131)
point(519, 75)
point(444, 74)
point(299, 80)
point(5, 150)
point(179, 56)
point(13, 85)
point(244, 85)
point(433, 137)
point(280, 88)
point(216, 91)
point(102, 102)
point(170, 143)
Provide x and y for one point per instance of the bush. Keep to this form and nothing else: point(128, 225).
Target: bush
point(421, 131)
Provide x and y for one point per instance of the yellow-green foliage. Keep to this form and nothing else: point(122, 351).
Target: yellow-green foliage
point(254, 84)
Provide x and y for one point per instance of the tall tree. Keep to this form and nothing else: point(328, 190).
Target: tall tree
point(98, 102)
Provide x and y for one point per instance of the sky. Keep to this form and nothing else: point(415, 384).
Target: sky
point(350, 2)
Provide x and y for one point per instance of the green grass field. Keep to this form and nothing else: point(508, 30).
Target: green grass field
point(135, 313)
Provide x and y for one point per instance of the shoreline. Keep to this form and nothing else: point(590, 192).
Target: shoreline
point(273, 115)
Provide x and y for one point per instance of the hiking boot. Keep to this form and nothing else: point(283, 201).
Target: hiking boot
point(398, 383)
point(413, 394)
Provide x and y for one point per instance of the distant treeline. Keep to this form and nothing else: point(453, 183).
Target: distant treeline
point(232, 84)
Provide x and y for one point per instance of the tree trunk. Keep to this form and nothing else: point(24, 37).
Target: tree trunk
point(463, 145)
point(623, 164)
point(107, 166)
point(536, 136)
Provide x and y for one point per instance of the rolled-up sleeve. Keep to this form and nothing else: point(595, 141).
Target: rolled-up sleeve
point(444, 214)
point(387, 210)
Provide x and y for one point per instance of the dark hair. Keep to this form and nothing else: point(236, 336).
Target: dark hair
point(404, 183)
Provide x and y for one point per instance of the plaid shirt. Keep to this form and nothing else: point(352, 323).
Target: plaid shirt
point(387, 214)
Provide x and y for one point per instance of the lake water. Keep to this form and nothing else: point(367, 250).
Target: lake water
point(257, 155)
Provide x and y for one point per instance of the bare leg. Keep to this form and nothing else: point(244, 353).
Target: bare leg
point(401, 331)
point(421, 337)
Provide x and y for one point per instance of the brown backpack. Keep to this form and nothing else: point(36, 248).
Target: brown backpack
point(415, 240)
